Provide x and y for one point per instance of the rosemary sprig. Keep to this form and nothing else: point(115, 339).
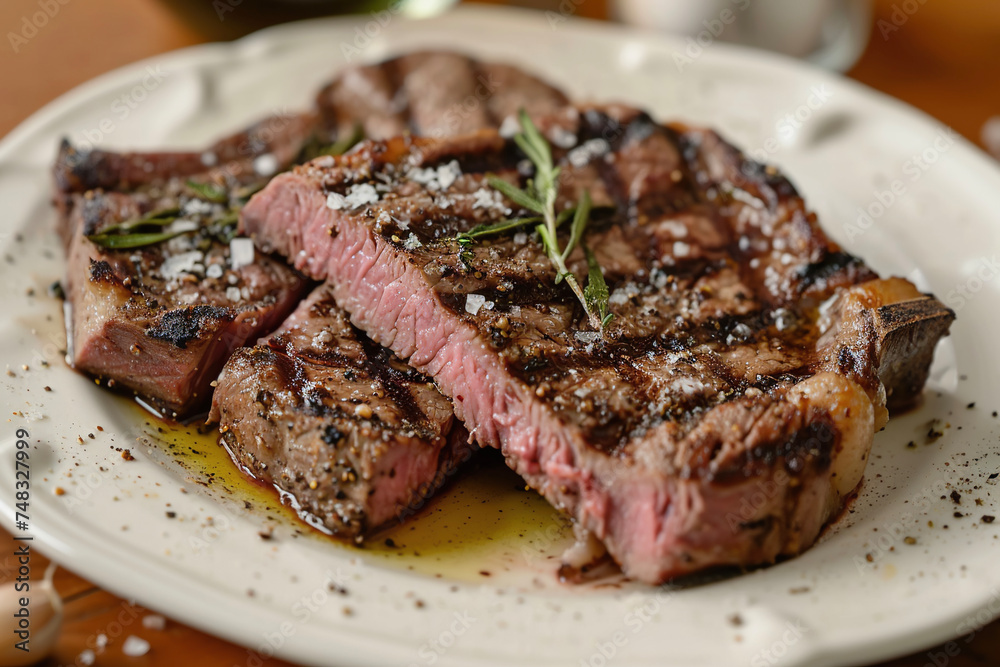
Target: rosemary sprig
point(540, 196)
point(136, 240)
point(160, 218)
point(209, 192)
point(346, 142)
point(497, 228)
point(596, 291)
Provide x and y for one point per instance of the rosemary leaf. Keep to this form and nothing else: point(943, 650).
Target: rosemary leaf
point(138, 240)
point(531, 136)
point(580, 219)
point(515, 194)
point(159, 218)
point(564, 216)
point(596, 291)
point(243, 194)
point(497, 228)
point(346, 142)
point(209, 192)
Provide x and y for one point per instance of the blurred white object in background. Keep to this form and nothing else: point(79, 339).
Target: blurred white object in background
point(829, 33)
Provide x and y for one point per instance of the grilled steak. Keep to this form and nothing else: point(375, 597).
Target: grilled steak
point(153, 321)
point(749, 356)
point(433, 94)
point(356, 436)
point(161, 320)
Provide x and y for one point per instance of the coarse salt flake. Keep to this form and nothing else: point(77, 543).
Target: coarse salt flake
point(509, 127)
point(233, 294)
point(214, 271)
point(336, 201)
point(181, 226)
point(412, 242)
point(185, 262)
point(240, 253)
point(154, 622)
point(198, 207)
point(587, 151)
point(483, 198)
point(361, 194)
point(562, 137)
point(473, 302)
point(134, 646)
point(447, 174)
point(739, 334)
point(265, 165)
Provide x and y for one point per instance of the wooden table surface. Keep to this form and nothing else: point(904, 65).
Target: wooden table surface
point(944, 59)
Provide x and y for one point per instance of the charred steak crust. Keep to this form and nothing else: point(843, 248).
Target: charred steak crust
point(80, 175)
point(744, 354)
point(357, 438)
point(161, 320)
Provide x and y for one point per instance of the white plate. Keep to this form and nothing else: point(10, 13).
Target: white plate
point(829, 606)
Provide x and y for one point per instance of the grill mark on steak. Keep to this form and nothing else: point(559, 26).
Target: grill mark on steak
point(340, 424)
point(383, 366)
point(431, 93)
point(721, 370)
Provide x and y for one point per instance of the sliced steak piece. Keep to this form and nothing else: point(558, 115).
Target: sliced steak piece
point(743, 360)
point(357, 438)
point(161, 320)
point(433, 94)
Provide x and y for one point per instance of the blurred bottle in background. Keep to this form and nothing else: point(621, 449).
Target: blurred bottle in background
point(230, 19)
point(829, 33)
